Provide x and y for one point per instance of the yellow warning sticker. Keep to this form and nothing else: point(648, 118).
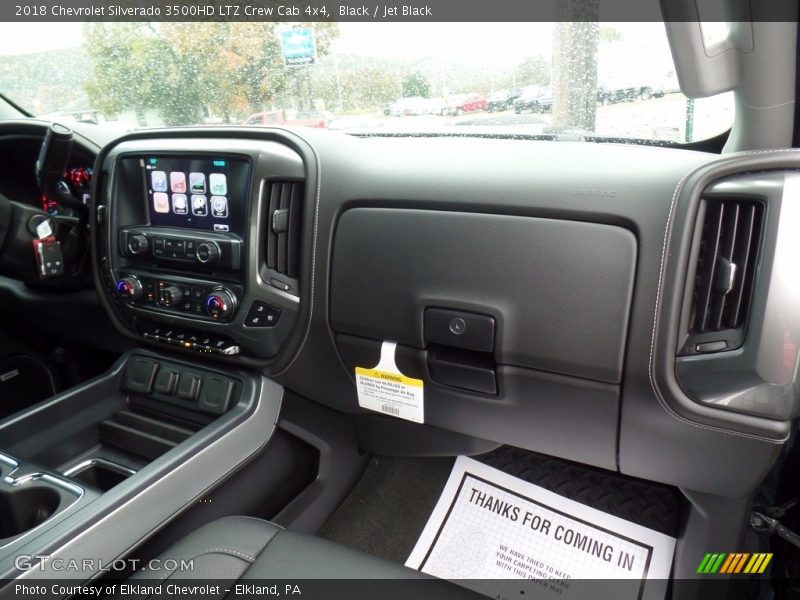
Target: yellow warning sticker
point(385, 389)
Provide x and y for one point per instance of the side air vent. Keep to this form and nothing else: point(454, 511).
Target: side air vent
point(284, 219)
point(726, 268)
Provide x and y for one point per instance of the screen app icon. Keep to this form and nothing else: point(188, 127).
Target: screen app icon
point(159, 179)
point(180, 204)
point(161, 202)
point(218, 184)
point(219, 207)
point(197, 183)
point(199, 205)
point(177, 181)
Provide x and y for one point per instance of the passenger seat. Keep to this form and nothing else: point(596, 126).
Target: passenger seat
point(245, 548)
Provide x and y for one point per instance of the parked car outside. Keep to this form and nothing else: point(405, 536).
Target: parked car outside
point(267, 117)
point(458, 104)
point(502, 100)
point(311, 118)
point(611, 92)
point(534, 98)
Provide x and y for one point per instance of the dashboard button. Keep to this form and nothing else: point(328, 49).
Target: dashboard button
point(261, 314)
point(175, 248)
point(139, 375)
point(166, 381)
point(216, 394)
point(189, 387)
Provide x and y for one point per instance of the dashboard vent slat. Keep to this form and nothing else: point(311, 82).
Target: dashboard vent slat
point(726, 264)
point(293, 248)
point(272, 240)
point(284, 227)
point(745, 260)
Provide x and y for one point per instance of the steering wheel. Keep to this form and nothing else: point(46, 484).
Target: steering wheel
point(21, 224)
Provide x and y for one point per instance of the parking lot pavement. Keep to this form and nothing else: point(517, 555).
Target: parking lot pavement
point(655, 118)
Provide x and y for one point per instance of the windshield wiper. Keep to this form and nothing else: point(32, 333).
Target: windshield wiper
point(14, 105)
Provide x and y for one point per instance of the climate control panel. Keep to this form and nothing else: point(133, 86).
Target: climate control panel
point(200, 299)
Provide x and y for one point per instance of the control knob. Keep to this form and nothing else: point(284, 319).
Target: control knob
point(129, 288)
point(221, 303)
point(170, 295)
point(207, 252)
point(138, 244)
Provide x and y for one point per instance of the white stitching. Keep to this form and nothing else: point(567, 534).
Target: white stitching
point(668, 409)
point(224, 550)
point(238, 554)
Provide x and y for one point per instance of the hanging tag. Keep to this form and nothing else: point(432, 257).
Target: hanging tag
point(386, 390)
point(44, 229)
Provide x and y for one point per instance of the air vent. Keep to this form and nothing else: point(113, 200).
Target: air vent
point(726, 265)
point(284, 219)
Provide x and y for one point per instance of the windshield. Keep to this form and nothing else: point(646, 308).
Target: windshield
point(614, 80)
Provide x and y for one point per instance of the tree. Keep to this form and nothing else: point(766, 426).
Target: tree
point(534, 70)
point(189, 70)
point(416, 84)
point(610, 34)
point(575, 44)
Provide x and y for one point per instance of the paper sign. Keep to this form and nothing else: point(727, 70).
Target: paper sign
point(386, 390)
point(490, 531)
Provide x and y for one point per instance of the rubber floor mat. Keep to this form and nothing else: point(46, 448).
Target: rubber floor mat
point(642, 502)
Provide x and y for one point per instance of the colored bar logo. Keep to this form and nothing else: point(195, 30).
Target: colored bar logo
point(734, 563)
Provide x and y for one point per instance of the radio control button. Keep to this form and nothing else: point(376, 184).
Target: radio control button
point(207, 252)
point(138, 244)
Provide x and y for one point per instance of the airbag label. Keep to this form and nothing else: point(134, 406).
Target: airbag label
point(386, 390)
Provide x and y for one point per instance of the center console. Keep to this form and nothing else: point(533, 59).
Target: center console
point(131, 449)
point(202, 241)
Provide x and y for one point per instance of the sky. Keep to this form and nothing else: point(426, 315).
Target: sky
point(500, 45)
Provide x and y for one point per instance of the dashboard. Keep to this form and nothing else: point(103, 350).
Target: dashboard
point(632, 308)
point(192, 228)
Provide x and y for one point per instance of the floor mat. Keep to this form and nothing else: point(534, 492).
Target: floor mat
point(387, 510)
point(389, 507)
point(648, 504)
point(24, 381)
point(503, 537)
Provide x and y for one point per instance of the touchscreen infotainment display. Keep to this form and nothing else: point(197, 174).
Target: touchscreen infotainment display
point(198, 192)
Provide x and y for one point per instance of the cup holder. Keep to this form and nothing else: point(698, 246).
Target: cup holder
point(23, 508)
point(99, 473)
